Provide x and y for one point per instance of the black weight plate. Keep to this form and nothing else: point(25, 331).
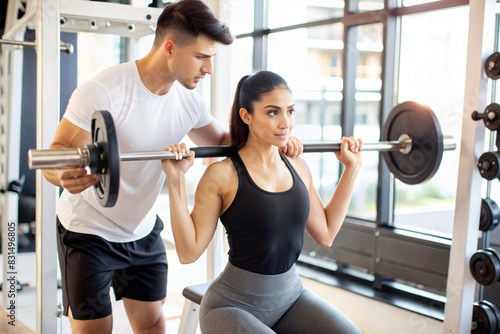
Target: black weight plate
point(492, 66)
point(492, 119)
point(490, 214)
point(485, 266)
point(489, 165)
point(421, 124)
point(484, 318)
point(108, 152)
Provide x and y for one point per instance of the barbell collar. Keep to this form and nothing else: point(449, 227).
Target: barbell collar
point(449, 143)
point(59, 159)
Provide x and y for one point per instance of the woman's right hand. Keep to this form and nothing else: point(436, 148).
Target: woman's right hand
point(178, 165)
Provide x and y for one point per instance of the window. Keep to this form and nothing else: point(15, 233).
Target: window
point(432, 72)
point(291, 12)
point(98, 52)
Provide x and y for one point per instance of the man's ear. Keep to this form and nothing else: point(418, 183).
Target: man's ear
point(246, 117)
point(168, 47)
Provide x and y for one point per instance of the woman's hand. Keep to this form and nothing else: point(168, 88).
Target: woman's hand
point(350, 151)
point(292, 148)
point(178, 165)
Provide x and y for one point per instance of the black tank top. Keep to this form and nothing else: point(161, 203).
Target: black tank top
point(265, 230)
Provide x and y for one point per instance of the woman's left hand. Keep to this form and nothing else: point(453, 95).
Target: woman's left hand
point(350, 151)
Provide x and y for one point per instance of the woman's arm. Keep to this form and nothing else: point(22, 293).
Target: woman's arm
point(325, 222)
point(192, 232)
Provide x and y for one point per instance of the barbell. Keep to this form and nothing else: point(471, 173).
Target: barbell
point(412, 148)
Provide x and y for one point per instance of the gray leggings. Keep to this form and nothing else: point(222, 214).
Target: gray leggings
point(241, 302)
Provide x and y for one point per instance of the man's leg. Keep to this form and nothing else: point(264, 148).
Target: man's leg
point(86, 272)
point(145, 317)
point(102, 325)
point(143, 285)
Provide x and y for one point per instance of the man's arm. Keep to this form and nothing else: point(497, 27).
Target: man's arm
point(74, 180)
point(213, 134)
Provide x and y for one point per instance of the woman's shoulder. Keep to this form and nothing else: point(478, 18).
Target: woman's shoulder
point(220, 170)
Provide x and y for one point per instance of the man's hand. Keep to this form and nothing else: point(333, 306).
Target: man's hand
point(76, 180)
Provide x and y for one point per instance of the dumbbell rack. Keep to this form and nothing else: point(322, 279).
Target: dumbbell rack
point(48, 18)
point(461, 287)
point(485, 262)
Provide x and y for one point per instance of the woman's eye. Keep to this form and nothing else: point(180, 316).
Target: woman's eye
point(273, 112)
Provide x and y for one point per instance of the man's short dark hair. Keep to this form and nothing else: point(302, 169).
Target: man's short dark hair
point(185, 20)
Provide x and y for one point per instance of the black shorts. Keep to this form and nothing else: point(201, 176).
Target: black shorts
point(91, 264)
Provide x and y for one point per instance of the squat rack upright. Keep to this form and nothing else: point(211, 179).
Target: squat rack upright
point(48, 18)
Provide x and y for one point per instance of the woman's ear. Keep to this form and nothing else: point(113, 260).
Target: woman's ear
point(246, 117)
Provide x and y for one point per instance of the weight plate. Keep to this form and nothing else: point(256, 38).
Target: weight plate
point(491, 116)
point(108, 158)
point(492, 66)
point(485, 266)
point(488, 165)
point(484, 318)
point(490, 214)
point(421, 124)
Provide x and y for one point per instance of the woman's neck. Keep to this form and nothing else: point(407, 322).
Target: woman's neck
point(260, 154)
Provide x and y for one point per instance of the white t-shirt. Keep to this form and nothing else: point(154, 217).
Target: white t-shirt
point(144, 122)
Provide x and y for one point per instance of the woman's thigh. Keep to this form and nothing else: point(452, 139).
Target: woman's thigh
point(231, 320)
point(311, 314)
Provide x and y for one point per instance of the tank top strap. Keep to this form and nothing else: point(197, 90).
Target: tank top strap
point(240, 167)
point(295, 175)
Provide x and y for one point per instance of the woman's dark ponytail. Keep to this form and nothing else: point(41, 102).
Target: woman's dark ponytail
point(238, 129)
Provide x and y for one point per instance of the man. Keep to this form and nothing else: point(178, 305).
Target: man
point(153, 106)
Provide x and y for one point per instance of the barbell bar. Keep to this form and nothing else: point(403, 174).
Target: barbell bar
point(412, 146)
point(82, 157)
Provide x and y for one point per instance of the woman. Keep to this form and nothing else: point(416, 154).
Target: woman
point(265, 202)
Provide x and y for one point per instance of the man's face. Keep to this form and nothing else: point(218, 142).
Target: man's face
point(190, 63)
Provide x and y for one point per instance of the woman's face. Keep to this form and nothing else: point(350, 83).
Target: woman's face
point(273, 117)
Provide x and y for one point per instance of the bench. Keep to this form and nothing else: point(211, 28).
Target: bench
point(190, 312)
